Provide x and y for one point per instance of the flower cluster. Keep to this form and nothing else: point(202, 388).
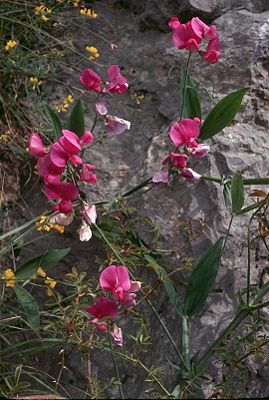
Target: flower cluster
point(51, 283)
point(35, 82)
point(183, 134)
point(88, 12)
point(191, 35)
point(43, 12)
point(68, 100)
point(10, 44)
point(44, 224)
point(117, 84)
point(9, 277)
point(115, 280)
point(94, 53)
point(56, 163)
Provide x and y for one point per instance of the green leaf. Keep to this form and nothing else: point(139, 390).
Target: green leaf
point(237, 193)
point(222, 114)
point(202, 278)
point(172, 294)
point(54, 120)
point(46, 260)
point(192, 107)
point(29, 306)
point(76, 120)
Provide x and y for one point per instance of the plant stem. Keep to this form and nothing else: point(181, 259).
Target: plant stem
point(246, 181)
point(184, 85)
point(240, 316)
point(186, 344)
point(115, 364)
point(155, 312)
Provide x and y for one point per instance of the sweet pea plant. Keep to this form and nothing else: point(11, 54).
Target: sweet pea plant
point(62, 165)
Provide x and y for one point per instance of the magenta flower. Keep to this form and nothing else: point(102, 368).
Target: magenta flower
point(103, 308)
point(66, 192)
point(212, 52)
point(116, 333)
point(117, 84)
point(200, 151)
point(36, 147)
point(160, 176)
point(115, 125)
point(86, 139)
point(116, 280)
point(178, 160)
point(100, 108)
point(86, 174)
point(190, 174)
point(185, 132)
point(90, 80)
point(46, 167)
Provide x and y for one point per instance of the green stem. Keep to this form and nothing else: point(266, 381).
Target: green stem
point(155, 312)
point(240, 316)
point(135, 188)
point(186, 344)
point(184, 86)
point(115, 365)
point(246, 181)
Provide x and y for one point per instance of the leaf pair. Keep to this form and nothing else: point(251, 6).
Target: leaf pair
point(75, 122)
point(219, 117)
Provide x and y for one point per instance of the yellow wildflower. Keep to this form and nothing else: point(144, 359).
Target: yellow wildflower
point(10, 44)
point(9, 276)
point(5, 137)
point(41, 272)
point(48, 10)
point(93, 51)
point(39, 9)
point(88, 12)
point(57, 227)
point(50, 282)
point(49, 292)
point(35, 82)
point(41, 225)
point(75, 3)
point(65, 105)
point(44, 18)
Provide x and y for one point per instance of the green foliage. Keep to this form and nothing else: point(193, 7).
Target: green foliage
point(202, 278)
point(76, 122)
point(188, 97)
point(222, 114)
point(237, 193)
point(55, 121)
point(29, 306)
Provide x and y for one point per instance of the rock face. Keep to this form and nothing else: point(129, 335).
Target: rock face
point(151, 63)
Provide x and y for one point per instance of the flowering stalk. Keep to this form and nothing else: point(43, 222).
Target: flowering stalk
point(184, 86)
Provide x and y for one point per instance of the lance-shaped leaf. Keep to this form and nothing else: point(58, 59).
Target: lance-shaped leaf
point(169, 287)
point(47, 260)
point(202, 278)
point(54, 121)
point(29, 306)
point(188, 98)
point(222, 114)
point(76, 122)
point(237, 193)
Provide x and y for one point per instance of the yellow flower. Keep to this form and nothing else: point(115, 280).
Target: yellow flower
point(49, 292)
point(9, 276)
point(50, 282)
point(39, 9)
point(65, 105)
point(88, 12)
point(41, 225)
point(57, 227)
point(35, 82)
point(48, 10)
point(75, 3)
point(93, 51)
point(10, 44)
point(5, 137)
point(41, 272)
point(44, 18)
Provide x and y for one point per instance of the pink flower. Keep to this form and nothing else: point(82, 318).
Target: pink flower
point(86, 139)
point(160, 176)
point(36, 147)
point(212, 52)
point(100, 108)
point(62, 219)
point(116, 333)
point(189, 174)
point(117, 84)
point(103, 308)
point(115, 125)
point(178, 160)
point(86, 174)
point(200, 151)
point(46, 167)
point(90, 80)
point(85, 232)
point(116, 280)
point(184, 36)
point(66, 192)
point(185, 132)
point(66, 149)
point(89, 213)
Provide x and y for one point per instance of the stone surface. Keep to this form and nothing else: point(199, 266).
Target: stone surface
point(151, 64)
